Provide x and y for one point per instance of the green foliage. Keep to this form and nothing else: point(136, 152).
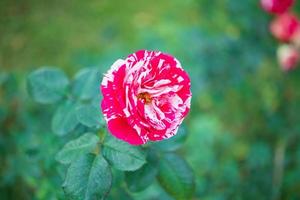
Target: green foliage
point(89, 177)
point(73, 149)
point(142, 178)
point(122, 155)
point(47, 85)
point(89, 116)
point(65, 120)
point(86, 83)
point(176, 177)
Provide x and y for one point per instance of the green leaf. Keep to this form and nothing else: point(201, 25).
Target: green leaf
point(122, 155)
point(73, 149)
point(142, 178)
point(47, 85)
point(89, 115)
point(173, 143)
point(88, 178)
point(176, 177)
point(86, 84)
point(139, 180)
point(119, 193)
point(97, 100)
point(64, 120)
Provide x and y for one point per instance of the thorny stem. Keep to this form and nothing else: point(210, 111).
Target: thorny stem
point(97, 149)
point(101, 134)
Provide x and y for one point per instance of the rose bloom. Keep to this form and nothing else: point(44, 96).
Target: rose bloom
point(276, 6)
point(285, 27)
point(145, 97)
point(288, 57)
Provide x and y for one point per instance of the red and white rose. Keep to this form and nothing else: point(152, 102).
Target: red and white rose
point(145, 97)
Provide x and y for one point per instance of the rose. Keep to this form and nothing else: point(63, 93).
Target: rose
point(276, 6)
point(145, 97)
point(288, 57)
point(285, 27)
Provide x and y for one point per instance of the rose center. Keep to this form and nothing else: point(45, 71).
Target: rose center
point(144, 96)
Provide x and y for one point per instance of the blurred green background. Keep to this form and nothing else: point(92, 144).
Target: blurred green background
point(244, 125)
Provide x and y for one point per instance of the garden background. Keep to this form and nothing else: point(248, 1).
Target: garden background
point(241, 137)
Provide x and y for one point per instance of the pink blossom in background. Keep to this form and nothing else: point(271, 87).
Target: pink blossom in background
point(288, 57)
point(145, 97)
point(276, 6)
point(296, 37)
point(284, 27)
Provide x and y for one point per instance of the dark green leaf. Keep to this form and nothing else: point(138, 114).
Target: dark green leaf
point(176, 177)
point(73, 149)
point(86, 84)
point(88, 178)
point(64, 120)
point(97, 100)
point(119, 193)
point(122, 155)
point(142, 178)
point(89, 115)
point(47, 85)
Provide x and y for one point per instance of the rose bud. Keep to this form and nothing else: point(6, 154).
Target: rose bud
point(145, 97)
point(276, 6)
point(284, 27)
point(288, 57)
